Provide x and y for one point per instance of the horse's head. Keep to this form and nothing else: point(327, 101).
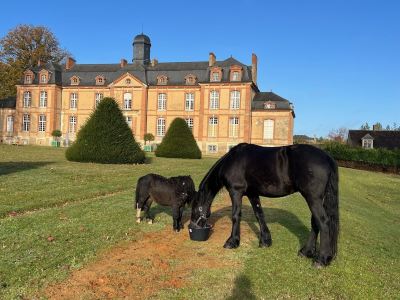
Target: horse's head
point(200, 210)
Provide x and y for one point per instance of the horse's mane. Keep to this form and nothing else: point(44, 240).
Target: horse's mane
point(212, 183)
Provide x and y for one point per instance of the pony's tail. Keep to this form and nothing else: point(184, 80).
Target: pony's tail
point(331, 206)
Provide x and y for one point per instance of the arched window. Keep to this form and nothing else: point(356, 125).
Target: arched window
point(214, 100)
point(213, 126)
point(235, 100)
point(160, 127)
point(43, 99)
point(27, 99)
point(268, 129)
point(127, 101)
point(162, 101)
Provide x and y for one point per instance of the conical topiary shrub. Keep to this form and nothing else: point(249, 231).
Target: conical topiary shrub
point(178, 142)
point(106, 138)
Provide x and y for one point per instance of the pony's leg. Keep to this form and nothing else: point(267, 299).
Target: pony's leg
point(265, 234)
point(146, 208)
point(234, 239)
point(180, 224)
point(175, 218)
point(322, 221)
point(309, 248)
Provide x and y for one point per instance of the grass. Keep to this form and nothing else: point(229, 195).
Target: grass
point(85, 209)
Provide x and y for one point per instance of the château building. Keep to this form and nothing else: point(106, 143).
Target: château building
point(219, 99)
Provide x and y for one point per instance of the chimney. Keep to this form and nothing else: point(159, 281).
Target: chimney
point(154, 62)
point(254, 68)
point(123, 62)
point(211, 59)
point(70, 63)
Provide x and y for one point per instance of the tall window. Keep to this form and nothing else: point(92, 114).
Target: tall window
point(268, 129)
point(42, 123)
point(10, 124)
point(214, 100)
point(74, 100)
point(27, 99)
point(189, 122)
point(98, 98)
point(189, 101)
point(43, 99)
point(212, 126)
point(43, 78)
point(235, 100)
point(72, 124)
point(234, 127)
point(162, 101)
point(127, 101)
point(26, 122)
point(160, 127)
point(235, 76)
point(129, 121)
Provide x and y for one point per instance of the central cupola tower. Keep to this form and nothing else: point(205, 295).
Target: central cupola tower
point(141, 49)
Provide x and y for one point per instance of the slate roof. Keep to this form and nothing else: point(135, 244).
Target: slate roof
point(262, 97)
point(9, 102)
point(54, 69)
point(382, 138)
point(175, 71)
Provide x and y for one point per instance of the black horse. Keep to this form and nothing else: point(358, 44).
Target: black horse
point(253, 171)
point(174, 191)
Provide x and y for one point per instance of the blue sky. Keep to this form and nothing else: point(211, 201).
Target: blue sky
point(337, 61)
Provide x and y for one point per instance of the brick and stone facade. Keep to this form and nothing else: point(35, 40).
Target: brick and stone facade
point(219, 99)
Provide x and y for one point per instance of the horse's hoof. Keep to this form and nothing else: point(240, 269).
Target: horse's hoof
point(138, 220)
point(306, 254)
point(176, 230)
point(265, 244)
point(318, 265)
point(231, 245)
point(150, 221)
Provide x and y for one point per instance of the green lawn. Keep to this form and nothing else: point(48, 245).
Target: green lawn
point(88, 208)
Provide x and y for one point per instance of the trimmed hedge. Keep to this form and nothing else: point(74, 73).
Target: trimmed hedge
point(178, 142)
point(379, 156)
point(106, 138)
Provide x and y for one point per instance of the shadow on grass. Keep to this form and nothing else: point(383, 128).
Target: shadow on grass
point(242, 289)
point(272, 215)
point(19, 166)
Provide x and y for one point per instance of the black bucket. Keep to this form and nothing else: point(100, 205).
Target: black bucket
point(199, 233)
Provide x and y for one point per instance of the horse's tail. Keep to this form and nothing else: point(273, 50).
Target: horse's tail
point(331, 206)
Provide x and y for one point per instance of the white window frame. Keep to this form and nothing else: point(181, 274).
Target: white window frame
point(27, 99)
point(189, 101)
point(26, 122)
point(212, 148)
point(268, 129)
point(190, 123)
point(214, 99)
point(97, 98)
point(43, 99)
point(212, 126)
point(127, 101)
point(368, 144)
point(215, 76)
point(160, 126)
point(235, 100)
point(43, 78)
point(234, 127)
point(28, 79)
point(72, 124)
point(10, 124)
point(162, 102)
point(128, 120)
point(42, 123)
point(235, 76)
point(73, 103)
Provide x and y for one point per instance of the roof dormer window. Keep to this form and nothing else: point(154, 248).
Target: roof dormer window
point(269, 105)
point(28, 77)
point(216, 74)
point(190, 79)
point(100, 80)
point(236, 73)
point(43, 78)
point(75, 80)
point(162, 80)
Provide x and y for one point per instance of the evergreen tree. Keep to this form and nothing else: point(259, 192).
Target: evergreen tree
point(106, 138)
point(178, 142)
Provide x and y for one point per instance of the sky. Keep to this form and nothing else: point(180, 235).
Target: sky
point(338, 62)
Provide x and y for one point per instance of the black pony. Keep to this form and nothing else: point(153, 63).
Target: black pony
point(174, 191)
point(253, 171)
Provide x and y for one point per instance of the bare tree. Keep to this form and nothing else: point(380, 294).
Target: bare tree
point(339, 135)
